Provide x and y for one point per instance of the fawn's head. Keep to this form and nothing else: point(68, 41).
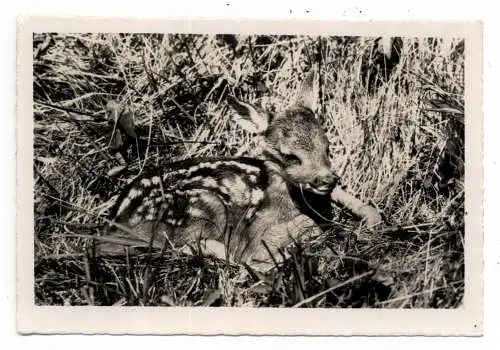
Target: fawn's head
point(293, 140)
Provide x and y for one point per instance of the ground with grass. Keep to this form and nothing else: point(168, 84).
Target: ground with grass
point(393, 111)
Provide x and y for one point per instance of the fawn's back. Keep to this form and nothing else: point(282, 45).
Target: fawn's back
point(241, 208)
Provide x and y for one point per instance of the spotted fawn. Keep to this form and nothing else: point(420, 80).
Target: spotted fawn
point(242, 209)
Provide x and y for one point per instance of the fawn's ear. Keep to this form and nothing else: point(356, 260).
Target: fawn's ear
point(307, 94)
point(249, 117)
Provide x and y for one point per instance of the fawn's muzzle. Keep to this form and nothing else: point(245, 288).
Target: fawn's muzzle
point(325, 183)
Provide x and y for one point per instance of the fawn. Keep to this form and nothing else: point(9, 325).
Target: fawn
point(242, 209)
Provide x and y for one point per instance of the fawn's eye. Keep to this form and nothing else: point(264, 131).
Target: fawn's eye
point(291, 159)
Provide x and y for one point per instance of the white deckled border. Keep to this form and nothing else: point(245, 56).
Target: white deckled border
point(467, 320)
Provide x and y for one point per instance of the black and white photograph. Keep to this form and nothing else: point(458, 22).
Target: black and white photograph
point(258, 171)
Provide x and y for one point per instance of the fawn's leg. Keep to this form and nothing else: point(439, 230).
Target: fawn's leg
point(279, 237)
point(208, 247)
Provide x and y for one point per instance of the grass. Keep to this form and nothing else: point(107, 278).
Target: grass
point(396, 129)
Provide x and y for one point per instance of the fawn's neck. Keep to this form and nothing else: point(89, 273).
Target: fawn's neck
point(293, 197)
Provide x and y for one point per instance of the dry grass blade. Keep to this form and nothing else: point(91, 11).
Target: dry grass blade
point(331, 289)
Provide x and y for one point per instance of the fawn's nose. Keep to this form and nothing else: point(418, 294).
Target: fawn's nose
point(325, 182)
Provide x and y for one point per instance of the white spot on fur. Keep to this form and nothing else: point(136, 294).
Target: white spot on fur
point(180, 171)
point(146, 182)
point(210, 182)
point(190, 180)
point(155, 180)
point(237, 188)
point(257, 196)
point(214, 165)
point(193, 199)
point(194, 192)
point(193, 169)
point(203, 165)
point(195, 212)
